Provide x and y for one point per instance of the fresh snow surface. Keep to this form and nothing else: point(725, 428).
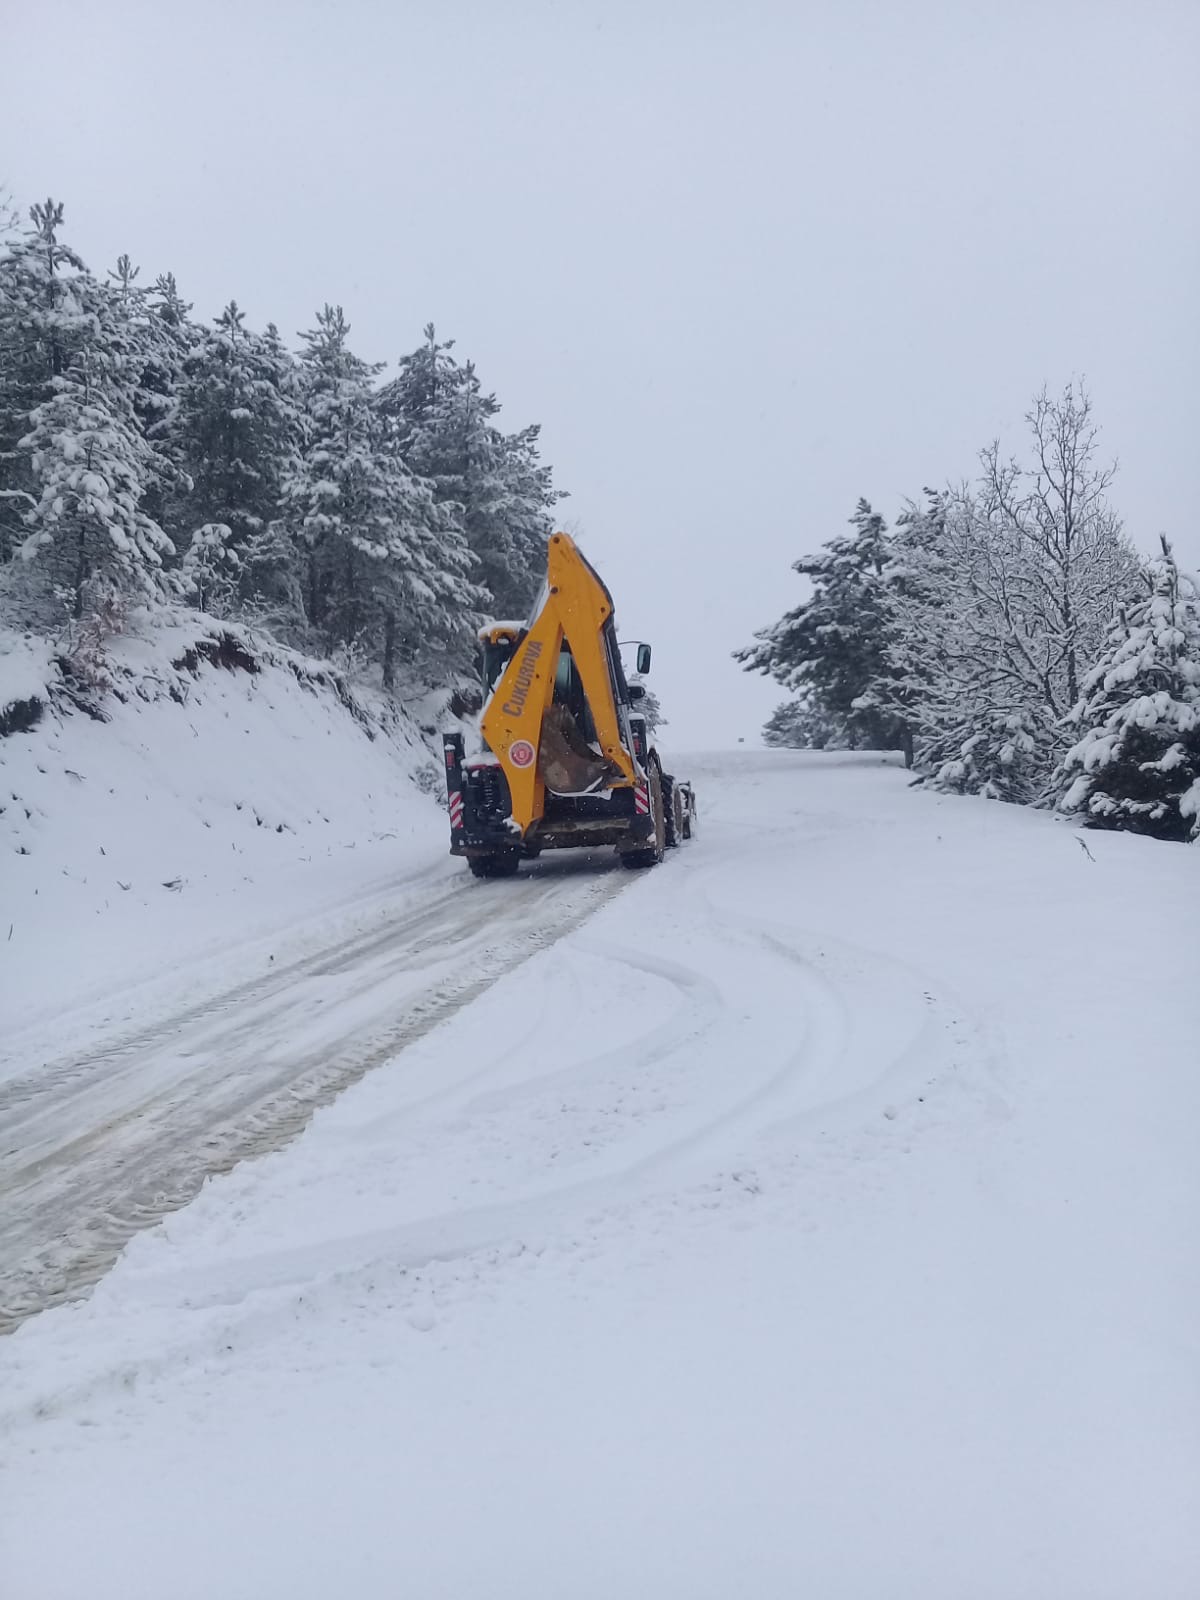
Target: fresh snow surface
point(268, 900)
point(173, 832)
point(816, 1217)
point(25, 665)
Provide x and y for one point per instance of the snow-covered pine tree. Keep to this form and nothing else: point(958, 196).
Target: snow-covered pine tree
point(497, 517)
point(157, 336)
point(271, 577)
point(464, 448)
point(413, 403)
point(422, 378)
point(237, 430)
point(910, 595)
point(87, 536)
point(332, 499)
point(493, 484)
point(173, 337)
point(239, 426)
point(272, 566)
point(387, 571)
point(831, 647)
point(797, 725)
point(1137, 764)
point(135, 316)
point(211, 568)
point(168, 337)
point(140, 454)
point(512, 546)
point(428, 602)
point(41, 325)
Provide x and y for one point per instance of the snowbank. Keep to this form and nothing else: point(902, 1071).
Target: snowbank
point(26, 667)
point(233, 788)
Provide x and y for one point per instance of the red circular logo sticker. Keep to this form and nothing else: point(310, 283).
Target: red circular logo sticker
point(521, 753)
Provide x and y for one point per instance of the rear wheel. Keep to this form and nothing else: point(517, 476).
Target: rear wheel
point(502, 865)
point(689, 814)
point(673, 811)
point(651, 854)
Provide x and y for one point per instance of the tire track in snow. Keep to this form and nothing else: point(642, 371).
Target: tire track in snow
point(821, 1072)
point(83, 1067)
point(713, 1131)
point(851, 1029)
point(164, 1001)
point(100, 1146)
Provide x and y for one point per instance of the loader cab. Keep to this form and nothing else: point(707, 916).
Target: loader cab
point(497, 644)
point(568, 692)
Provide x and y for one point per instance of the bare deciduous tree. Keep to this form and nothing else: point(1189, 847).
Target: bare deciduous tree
point(1079, 563)
point(1011, 605)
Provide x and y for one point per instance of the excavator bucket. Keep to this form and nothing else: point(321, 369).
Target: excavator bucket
point(567, 764)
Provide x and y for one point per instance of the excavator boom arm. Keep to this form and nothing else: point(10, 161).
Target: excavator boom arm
point(575, 608)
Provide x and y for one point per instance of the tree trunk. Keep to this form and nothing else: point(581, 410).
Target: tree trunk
point(1072, 677)
point(1072, 659)
point(80, 573)
point(389, 651)
point(314, 592)
point(353, 609)
point(906, 744)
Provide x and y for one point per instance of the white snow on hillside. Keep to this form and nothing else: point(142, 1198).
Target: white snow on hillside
point(816, 1218)
point(25, 667)
point(215, 802)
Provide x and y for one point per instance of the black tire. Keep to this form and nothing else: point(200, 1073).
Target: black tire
point(653, 853)
point(503, 865)
point(672, 811)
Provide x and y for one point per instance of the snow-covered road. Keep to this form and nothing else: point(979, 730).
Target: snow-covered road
point(107, 1139)
point(815, 1217)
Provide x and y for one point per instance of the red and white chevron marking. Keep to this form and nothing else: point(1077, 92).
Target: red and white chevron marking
point(641, 799)
point(456, 808)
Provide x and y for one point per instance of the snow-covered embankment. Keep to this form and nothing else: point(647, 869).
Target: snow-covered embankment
point(233, 787)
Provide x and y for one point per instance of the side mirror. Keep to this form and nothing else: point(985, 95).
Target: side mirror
point(643, 659)
point(637, 691)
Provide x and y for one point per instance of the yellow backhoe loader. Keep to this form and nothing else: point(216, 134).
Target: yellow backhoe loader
point(567, 759)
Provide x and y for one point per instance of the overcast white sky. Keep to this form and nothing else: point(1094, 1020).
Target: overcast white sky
point(744, 261)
